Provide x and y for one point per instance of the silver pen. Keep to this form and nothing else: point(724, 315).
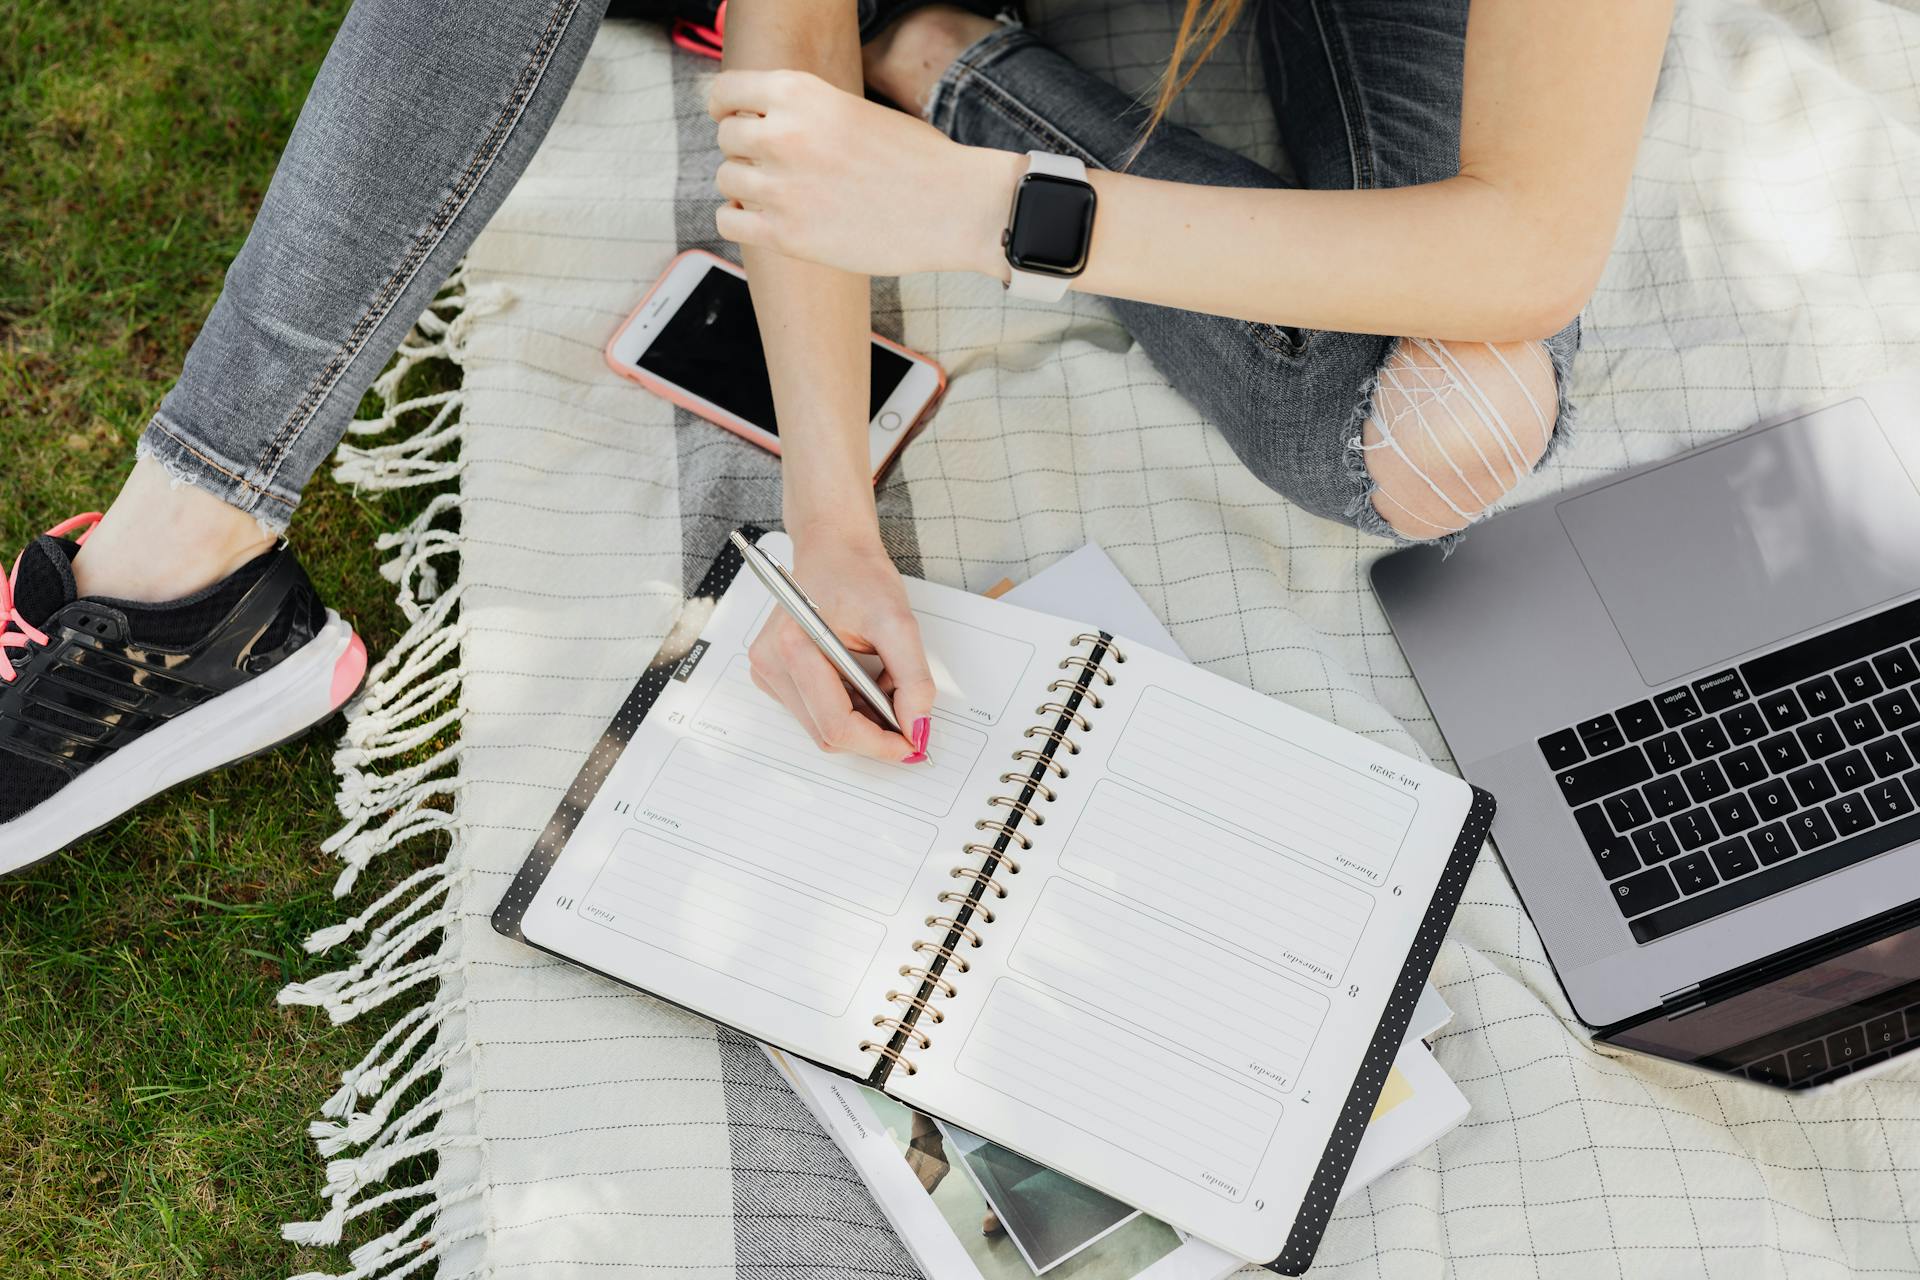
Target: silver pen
point(801, 608)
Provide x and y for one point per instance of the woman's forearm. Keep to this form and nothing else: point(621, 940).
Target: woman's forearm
point(1554, 101)
point(1456, 259)
point(1503, 252)
point(813, 319)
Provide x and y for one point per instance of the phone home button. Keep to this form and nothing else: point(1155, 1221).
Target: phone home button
point(889, 421)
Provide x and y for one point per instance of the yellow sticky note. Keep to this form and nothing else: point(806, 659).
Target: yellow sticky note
point(1394, 1092)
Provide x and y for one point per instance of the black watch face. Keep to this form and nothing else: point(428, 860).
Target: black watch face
point(1052, 225)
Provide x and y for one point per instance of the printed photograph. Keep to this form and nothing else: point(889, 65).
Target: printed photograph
point(1015, 1218)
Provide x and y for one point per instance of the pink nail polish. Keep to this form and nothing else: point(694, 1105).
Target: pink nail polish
point(922, 730)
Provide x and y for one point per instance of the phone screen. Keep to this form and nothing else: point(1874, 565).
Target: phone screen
point(711, 347)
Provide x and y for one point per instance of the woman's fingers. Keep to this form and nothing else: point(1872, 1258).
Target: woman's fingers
point(741, 183)
point(742, 137)
point(742, 226)
point(830, 703)
point(897, 640)
point(864, 600)
point(778, 685)
point(753, 91)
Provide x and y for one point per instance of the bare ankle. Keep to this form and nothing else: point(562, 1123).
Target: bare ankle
point(906, 60)
point(161, 541)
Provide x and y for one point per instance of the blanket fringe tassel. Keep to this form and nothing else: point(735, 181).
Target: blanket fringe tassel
point(390, 795)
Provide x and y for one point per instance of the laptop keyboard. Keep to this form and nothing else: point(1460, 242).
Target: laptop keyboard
point(1715, 794)
point(1829, 1057)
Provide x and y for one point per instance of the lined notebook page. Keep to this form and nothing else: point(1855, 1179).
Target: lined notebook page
point(730, 866)
point(1176, 994)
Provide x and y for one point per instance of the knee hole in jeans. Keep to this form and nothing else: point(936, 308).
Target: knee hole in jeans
point(1453, 427)
point(1286, 340)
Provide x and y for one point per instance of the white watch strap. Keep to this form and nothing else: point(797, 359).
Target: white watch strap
point(1058, 165)
point(1033, 284)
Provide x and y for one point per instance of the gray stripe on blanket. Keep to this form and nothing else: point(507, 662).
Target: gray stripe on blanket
point(800, 1211)
point(799, 1208)
point(724, 481)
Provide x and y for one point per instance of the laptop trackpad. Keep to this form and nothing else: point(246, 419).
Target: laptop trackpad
point(1732, 548)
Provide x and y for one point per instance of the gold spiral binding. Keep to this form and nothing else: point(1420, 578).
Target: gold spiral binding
point(1059, 770)
point(1088, 664)
point(969, 909)
point(947, 989)
point(1008, 802)
point(979, 877)
point(1062, 709)
point(1073, 686)
point(946, 953)
point(1041, 731)
point(1093, 639)
point(988, 851)
point(921, 1039)
point(919, 1003)
point(1021, 778)
point(953, 898)
point(888, 1051)
point(1011, 833)
point(948, 922)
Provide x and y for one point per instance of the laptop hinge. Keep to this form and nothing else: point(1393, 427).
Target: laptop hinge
point(1806, 954)
point(1685, 1000)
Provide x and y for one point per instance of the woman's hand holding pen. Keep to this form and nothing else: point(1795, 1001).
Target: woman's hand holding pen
point(858, 591)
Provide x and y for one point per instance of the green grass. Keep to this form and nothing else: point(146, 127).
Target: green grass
point(153, 1098)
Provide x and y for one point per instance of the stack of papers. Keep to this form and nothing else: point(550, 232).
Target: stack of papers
point(969, 1209)
point(1002, 1217)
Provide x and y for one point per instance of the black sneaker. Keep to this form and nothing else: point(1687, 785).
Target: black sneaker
point(104, 703)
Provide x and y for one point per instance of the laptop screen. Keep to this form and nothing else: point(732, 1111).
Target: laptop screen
point(1806, 1027)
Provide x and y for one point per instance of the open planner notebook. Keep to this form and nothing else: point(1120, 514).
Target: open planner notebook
point(1132, 920)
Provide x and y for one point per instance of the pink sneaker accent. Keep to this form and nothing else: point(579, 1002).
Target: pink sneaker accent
point(705, 41)
point(15, 631)
point(348, 672)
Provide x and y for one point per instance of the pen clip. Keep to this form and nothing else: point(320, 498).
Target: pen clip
point(788, 578)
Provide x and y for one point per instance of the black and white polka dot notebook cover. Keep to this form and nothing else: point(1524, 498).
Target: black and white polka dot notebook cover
point(600, 761)
point(1310, 1221)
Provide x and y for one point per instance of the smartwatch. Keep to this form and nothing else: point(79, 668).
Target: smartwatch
point(1050, 228)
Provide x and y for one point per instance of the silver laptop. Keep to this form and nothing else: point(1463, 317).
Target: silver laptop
point(1694, 689)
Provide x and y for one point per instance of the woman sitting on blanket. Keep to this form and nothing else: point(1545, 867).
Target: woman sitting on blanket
point(1460, 180)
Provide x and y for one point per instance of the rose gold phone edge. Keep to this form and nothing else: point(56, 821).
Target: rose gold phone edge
point(894, 439)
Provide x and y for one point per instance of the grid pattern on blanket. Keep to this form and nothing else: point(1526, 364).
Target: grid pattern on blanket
point(1769, 255)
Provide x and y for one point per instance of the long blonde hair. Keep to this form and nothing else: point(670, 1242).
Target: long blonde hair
point(1203, 26)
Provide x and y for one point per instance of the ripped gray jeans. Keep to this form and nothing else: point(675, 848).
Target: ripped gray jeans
point(424, 116)
point(1366, 93)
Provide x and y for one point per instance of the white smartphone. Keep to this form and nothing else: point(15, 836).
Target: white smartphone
point(694, 340)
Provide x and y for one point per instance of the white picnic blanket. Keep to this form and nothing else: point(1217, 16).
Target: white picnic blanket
point(1770, 255)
